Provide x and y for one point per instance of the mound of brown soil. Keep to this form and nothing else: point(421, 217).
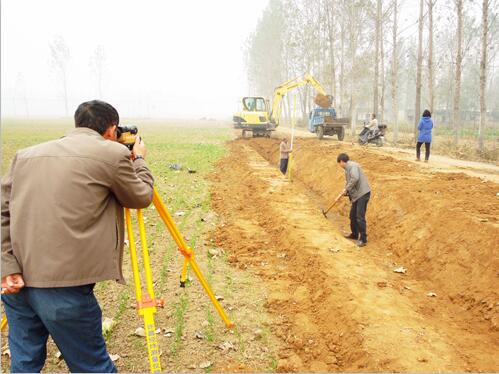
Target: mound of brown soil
point(322, 100)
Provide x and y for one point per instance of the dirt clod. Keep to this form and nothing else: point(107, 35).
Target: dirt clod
point(139, 331)
point(205, 365)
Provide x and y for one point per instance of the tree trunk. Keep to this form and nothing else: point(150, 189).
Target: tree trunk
point(382, 75)
point(395, 109)
point(431, 69)
point(459, 61)
point(376, 59)
point(417, 106)
point(331, 50)
point(483, 74)
point(342, 69)
point(353, 51)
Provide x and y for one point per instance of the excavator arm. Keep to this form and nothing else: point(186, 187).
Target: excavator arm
point(284, 88)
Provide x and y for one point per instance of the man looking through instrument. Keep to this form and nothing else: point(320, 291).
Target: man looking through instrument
point(63, 231)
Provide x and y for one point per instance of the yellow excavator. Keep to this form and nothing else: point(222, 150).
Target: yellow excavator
point(257, 118)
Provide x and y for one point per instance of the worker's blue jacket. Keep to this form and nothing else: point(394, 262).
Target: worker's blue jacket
point(425, 126)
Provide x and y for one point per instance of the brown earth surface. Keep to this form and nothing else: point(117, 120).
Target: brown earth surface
point(339, 308)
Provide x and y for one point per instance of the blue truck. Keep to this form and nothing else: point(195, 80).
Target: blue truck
point(323, 121)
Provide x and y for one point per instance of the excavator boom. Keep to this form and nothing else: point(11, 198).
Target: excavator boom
point(283, 89)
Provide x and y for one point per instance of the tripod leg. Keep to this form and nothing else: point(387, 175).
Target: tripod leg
point(188, 254)
point(145, 254)
point(146, 305)
point(152, 340)
point(133, 256)
point(183, 275)
point(209, 292)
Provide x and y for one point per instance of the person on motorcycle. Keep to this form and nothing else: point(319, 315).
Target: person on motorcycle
point(371, 125)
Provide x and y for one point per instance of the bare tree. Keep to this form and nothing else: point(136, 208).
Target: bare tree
point(483, 73)
point(332, 35)
point(489, 31)
point(353, 52)
point(417, 107)
point(395, 109)
point(382, 75)
point(342, 65)
point(97, 65)
point(376, 58)
point(459, 61)
point(431, 67)
point(59, 61)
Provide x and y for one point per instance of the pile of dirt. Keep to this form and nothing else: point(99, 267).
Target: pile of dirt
point(442, 227)
point(322, 100)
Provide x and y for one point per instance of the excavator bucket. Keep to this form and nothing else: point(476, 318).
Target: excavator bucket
point(324, 101)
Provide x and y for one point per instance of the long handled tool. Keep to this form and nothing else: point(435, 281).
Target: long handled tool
point(332, 205)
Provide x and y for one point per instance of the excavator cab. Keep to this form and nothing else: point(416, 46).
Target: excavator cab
point(254, 117)
point(254, 104)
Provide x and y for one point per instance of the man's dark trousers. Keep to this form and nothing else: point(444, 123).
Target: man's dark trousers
point(71, 315)
point(284, 165)
point(358, 217)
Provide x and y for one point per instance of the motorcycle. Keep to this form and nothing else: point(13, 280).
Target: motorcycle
point(376, 136)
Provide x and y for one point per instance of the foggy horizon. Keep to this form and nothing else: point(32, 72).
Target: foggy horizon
point(161, 59)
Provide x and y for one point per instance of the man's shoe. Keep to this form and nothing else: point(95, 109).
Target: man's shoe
point(360, 243)
point(351, 236)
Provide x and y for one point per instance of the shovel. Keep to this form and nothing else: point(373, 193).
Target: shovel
point(332, 205)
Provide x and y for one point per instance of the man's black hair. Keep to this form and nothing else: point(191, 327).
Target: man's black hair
point(96, 115)
point(342, 157)
point(374, 115)
point(426, 113)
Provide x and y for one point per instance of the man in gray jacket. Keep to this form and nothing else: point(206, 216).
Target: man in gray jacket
point(63, 231)
point(357, 188)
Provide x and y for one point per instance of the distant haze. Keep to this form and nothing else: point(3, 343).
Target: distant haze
point(161, 58)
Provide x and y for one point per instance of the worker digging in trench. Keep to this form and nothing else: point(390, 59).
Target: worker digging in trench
point(358, 190)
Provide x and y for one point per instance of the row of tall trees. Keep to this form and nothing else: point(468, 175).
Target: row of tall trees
point(384, 56)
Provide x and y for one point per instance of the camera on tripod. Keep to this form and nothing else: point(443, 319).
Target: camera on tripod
point(127, 134)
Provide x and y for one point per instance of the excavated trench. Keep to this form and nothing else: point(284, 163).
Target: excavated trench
point(338, 308)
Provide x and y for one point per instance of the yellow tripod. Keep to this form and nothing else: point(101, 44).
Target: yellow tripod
point(146, 303)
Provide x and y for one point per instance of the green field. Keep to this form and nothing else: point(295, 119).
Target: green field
point(195, 145)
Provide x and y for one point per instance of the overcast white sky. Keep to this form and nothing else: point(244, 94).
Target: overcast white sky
point(163, 58)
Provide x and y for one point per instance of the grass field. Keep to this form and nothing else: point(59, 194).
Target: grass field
point(191, 331)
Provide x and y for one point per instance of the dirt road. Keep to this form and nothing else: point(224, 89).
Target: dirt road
point(339, 308)
point(444, 164)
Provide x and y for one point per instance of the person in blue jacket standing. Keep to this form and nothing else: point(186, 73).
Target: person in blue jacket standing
point(425, 127)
